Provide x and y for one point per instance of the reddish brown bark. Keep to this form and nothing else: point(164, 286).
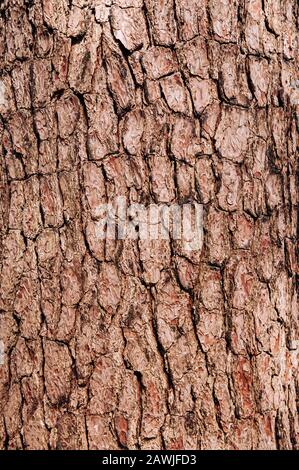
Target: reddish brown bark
point(134, 344)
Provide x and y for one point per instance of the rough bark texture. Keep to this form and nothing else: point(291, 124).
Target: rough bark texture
point(130, 344)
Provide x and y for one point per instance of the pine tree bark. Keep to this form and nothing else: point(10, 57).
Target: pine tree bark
point(127, 344)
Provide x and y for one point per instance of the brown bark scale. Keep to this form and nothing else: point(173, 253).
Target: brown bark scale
point(132, 344)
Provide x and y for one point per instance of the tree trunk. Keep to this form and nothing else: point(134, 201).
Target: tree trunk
point(138, 344)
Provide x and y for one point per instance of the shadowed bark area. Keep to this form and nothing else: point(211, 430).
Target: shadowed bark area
point(134, 344)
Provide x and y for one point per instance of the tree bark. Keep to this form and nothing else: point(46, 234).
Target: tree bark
point(131, 344)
